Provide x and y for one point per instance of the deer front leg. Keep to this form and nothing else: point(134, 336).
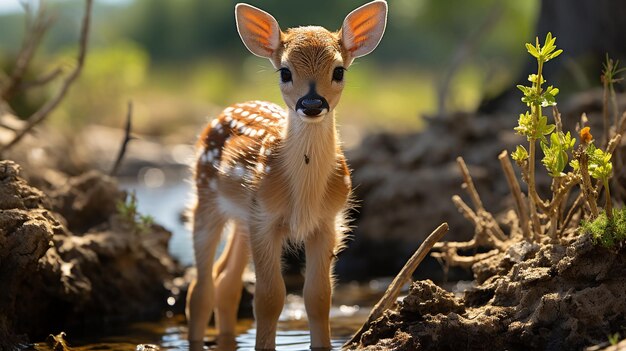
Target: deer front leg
point(320, 248)
point(269, 294)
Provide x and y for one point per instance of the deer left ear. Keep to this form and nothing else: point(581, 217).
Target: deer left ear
point(363, 28)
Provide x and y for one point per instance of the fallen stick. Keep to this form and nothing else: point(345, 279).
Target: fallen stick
point(398, 282)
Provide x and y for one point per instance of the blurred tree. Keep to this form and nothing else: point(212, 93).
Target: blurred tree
point(586, 30)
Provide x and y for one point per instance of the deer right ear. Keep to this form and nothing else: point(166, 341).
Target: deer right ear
point(258, 30)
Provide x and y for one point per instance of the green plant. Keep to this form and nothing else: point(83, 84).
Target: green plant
point(557, 147)
point(607, 231)
point(127, 209)
point(610, 71)
point(614, 338)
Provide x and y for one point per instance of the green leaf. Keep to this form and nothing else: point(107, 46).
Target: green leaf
point(520, 154)
point(532, 50)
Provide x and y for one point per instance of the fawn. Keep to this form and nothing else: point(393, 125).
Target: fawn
point(279, 175)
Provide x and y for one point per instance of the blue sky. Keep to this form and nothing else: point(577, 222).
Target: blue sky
point(8, 6)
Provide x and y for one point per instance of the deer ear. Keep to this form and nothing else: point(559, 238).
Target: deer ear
point(363, 28)
point(258, 30)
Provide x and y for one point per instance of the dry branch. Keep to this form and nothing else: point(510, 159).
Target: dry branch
point(45, 110)
point(127, 138)
point(516, 191)
point(35, 29)
point(402, 278)
point(468, 184)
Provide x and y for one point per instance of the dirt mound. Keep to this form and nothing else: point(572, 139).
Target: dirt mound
point(53, 280)
point(549, 297)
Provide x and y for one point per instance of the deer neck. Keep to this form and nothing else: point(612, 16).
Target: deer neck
point(309, 148)
point(308, 157)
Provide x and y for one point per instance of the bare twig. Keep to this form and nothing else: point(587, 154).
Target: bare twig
point(45, 110)
point(468, 184)
point(43, 80)
point(402, 278)
point(452, 258)
point(127, 138)
point(35, 28)
point(505, 162)
point(570, 214)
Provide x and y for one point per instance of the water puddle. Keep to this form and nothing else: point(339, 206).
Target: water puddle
point(170, 333)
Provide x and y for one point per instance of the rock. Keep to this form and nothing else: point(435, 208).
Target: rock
point(116, 270)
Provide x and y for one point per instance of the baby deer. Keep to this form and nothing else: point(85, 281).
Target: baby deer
point(279, 175)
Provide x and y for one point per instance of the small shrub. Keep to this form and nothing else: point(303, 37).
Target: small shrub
point(127, 209)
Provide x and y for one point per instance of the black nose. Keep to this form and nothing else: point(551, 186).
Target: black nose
point(312, 103)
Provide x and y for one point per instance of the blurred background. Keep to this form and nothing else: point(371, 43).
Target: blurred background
point(181, 61)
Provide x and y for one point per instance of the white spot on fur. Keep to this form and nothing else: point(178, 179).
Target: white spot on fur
point(245, 113)
point(213, 184)
point(228, 110)
point(231, 209)
point(268, 169)
point(238, 111)
point(233, 123)
point(238, 170)
point(261, 132)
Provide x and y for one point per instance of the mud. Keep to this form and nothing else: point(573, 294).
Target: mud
point(68, 261)
point(549, 297)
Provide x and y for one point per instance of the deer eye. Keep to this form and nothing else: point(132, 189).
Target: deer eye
point(285, 75)
point(338, 74)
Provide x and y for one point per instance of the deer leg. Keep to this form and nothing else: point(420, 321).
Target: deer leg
point(269, 295)
point(228, 282)
point(318, 284)
point(207, 229)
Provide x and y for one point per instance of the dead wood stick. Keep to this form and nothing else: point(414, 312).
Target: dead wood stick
point(456, 260)
point(469, 184)
point(127, 138)
point(398, 282)
point(505, 162)
point(45, 110)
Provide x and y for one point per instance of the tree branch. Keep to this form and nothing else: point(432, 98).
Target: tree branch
point(45, 110)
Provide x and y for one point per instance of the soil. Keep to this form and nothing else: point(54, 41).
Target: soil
point(69, 261)
point(533, 296)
